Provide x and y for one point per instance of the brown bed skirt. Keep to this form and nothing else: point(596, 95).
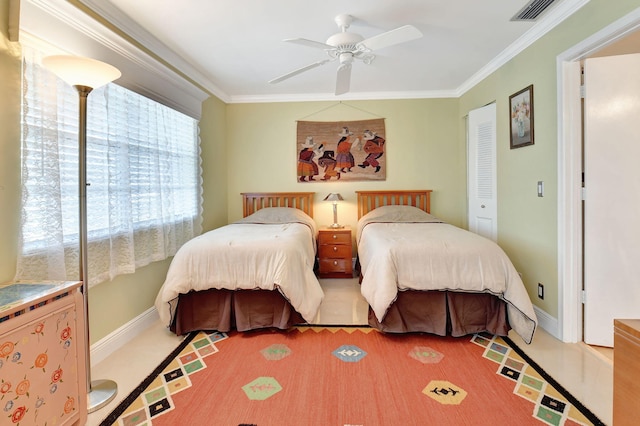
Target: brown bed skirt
point(226, 310)
point(437, 312)
point(444, 313)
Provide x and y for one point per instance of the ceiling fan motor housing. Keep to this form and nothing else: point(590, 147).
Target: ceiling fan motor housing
point(345, 41)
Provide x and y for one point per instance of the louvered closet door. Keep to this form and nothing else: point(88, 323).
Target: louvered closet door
point(481, 172)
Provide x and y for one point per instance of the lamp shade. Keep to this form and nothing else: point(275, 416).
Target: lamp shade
point(334, 196)
point(80, 71)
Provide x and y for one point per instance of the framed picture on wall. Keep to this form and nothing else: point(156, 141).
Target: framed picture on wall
point(521, 117)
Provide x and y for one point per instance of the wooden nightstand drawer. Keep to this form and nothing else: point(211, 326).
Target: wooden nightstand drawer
point(335, 237)
point(329, 266)
point(334, 253)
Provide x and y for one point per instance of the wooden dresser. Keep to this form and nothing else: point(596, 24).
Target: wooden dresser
point(334, 253)
point(626, 371)
point(42, 354)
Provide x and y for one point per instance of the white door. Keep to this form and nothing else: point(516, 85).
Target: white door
point(481, 172)
point(612, 195)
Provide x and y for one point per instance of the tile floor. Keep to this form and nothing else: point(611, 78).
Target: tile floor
point(584, 371)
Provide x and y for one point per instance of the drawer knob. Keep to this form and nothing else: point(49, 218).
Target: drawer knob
point(335, 263)
point(335, 248)
point(335, 236)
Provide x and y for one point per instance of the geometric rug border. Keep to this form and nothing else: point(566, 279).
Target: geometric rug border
point(572, 399)
point(124, 404)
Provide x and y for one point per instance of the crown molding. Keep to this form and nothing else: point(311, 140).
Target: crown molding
point(352, 96)
point(545, 24)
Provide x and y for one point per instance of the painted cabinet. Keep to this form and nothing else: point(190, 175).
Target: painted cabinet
point(42, 359)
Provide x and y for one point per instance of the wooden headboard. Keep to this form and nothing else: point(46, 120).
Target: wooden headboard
point(369, 200)
point(254, 201)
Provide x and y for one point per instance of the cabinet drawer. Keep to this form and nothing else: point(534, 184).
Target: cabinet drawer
point(335, 238)
point(335, 265)
point(335, 251)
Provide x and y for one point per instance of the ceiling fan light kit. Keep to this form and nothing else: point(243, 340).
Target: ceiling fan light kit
point(345, 47)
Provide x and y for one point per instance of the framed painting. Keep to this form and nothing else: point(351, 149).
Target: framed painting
point(341, 151)
point(521, 118)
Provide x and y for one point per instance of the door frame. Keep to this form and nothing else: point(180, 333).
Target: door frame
point(570, 322)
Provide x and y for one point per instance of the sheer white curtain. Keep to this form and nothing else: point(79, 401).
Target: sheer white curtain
point(143, 172)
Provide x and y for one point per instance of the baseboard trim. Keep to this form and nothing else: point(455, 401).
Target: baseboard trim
point(123, 335)
point(547, 323)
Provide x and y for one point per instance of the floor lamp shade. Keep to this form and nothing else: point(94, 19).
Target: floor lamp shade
point(85, 74)
point(79, 71)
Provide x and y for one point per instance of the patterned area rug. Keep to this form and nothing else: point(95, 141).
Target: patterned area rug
point(348, 376)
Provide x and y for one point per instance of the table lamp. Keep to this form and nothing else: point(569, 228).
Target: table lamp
point(335, 197)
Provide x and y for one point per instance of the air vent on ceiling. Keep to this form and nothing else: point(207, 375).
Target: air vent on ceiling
point(532, 10)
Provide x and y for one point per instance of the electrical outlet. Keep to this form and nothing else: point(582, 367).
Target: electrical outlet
point(540, 291)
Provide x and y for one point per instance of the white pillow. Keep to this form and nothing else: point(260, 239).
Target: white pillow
point(398, 213)
point(271, 215)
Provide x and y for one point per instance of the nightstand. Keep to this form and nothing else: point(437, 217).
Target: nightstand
point(334, 253)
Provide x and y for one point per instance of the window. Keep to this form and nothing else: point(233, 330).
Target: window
point(143, 172)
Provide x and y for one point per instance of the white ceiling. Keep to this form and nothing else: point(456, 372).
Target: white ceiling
point(233, 48)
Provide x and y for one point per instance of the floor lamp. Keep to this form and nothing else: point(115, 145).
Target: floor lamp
point(85, 75)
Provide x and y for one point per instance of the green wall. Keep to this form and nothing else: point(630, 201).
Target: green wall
point(423, 152)
point(528, 224)
point(9, 147)
point(250, 147)
point(213, 149)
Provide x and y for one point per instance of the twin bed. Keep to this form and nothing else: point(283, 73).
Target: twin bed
point(417, 273)
point(254, 273)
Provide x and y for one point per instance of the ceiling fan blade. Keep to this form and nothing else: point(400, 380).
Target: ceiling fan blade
point(343, 79)
point(310, 43)
point(397, 36)
point(299, 71)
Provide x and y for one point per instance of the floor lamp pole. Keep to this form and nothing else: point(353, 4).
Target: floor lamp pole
point(83, 92)
point(99, 392)
point(85, 74)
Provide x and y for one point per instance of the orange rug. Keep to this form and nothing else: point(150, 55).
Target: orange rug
point(349, 376)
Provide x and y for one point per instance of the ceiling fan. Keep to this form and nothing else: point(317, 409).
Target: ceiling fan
point(346, 47)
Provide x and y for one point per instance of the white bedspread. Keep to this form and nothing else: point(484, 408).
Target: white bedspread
point(438, 256)
point(244, 255)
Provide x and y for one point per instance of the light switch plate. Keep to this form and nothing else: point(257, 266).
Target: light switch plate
point(540, 291)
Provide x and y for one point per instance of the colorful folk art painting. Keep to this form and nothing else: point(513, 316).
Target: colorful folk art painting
point(341, 151)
